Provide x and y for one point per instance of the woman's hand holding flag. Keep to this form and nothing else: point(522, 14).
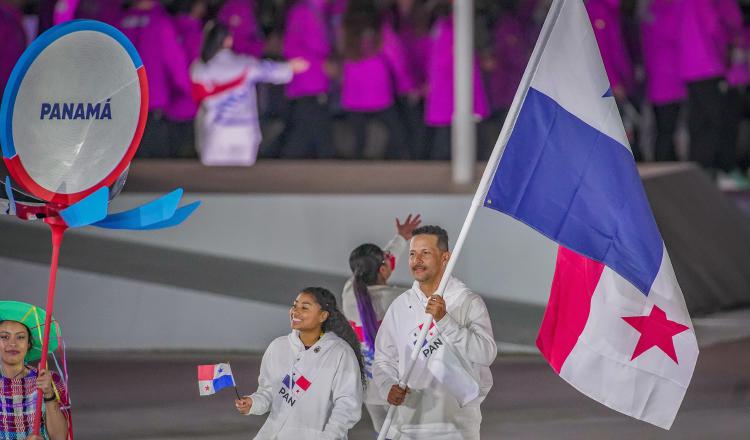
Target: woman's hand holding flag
point(243, 405)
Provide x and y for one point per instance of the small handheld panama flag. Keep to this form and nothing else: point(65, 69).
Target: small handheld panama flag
point(616, 326)
point(212, 378)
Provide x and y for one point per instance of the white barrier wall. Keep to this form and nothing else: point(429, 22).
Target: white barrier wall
point(98, 312)
point(501, 257)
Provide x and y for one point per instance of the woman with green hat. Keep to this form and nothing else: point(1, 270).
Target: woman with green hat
point(21, 329)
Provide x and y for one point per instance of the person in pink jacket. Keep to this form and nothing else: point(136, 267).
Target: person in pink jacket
point(375, 70)
point(13, 38)
point(605, 19)
point(188, 23)
point(511, 52)
point(439, 98)
point(240, 17)
point(308, 35)
point(150, 29)
point(609, 24)
point(109, 11)
point(708, 29)
point(665, 89)
point(65, 10)
point(410, 20)
point(738, 79)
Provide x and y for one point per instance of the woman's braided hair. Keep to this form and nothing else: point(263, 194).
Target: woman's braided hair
point(338, 324)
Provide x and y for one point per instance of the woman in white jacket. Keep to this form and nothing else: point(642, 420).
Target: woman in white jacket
point(367, 296)
point(227, 127)
point(311, 380)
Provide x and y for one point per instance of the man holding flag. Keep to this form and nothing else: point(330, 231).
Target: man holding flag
point(616, 326)
point(451, 374)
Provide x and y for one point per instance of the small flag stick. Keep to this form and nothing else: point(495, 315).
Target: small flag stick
point(236, 391)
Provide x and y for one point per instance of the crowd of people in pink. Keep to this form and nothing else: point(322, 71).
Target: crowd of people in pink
point(391, 61)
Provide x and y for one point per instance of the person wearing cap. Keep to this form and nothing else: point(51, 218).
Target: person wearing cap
point(19, 345)
point(367, 296)
point(451, 376)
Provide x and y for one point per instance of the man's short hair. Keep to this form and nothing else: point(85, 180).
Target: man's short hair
point(437, 231)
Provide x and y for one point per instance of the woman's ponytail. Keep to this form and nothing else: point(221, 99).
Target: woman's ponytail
point(365, 261)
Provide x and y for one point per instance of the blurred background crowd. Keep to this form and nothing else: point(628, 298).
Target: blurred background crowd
point(380, 78)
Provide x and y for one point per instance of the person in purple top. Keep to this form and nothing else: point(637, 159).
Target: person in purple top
point(13, 37)
point(707, 29)
point(240, 17)
point(439, 98)
point(188, 23)
point(511, 52)
point(308, 35)
point(738, 79)
point(64, 11)
point(150, 29)
point(609, 23)
point(410, 20)
point(665, 89)
point(606, 19)
point(375, 70)
point(109, 11)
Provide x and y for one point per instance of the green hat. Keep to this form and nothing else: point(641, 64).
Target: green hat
point(32, 317)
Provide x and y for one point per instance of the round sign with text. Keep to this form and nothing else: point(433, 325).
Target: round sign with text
point(73, 111)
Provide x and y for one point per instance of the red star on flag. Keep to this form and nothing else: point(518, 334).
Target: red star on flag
point(207, 388)
point(656, 330)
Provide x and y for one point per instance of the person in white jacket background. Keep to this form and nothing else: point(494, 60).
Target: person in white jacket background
point(227, 127)
point(366, 297)
point(311, 381)
point(451, 377)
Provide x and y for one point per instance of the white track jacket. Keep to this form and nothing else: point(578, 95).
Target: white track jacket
point(382, 296)
point(227, 127)
point(430, 410)
point(311, 394)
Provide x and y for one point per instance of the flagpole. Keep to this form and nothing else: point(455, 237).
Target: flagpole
point(57, 236)
point(481, 192)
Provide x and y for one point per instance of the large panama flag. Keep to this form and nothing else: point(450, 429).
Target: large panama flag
point(616, 326)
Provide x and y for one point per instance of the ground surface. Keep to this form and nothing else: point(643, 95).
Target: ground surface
point(154, 397)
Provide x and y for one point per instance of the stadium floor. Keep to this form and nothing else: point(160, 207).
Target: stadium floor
point(154, 397)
